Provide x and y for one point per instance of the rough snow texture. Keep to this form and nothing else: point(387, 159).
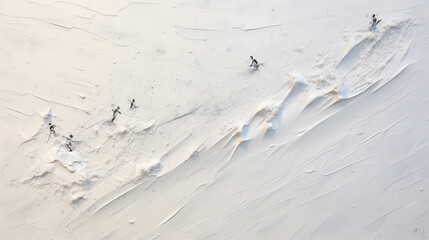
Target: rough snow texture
point(328, 139)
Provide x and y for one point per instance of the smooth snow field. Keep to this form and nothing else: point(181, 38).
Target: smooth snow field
point(327, 139)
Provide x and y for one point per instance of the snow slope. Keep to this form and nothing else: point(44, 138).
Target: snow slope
point(327, 140)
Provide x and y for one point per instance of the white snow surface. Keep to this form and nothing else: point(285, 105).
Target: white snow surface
point(328, 139)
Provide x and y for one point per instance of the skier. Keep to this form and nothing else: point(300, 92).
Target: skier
point(115, 111)
point(374, 21)
point(52, 130)
point(69, 142)
point(133, 105)
point(254, 63)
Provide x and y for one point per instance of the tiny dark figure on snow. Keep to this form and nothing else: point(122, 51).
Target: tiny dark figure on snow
point(375, 21)
point(69, 141)
point(133, 104)
point(254, 63)
point(115, 111)
point(52, 130)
